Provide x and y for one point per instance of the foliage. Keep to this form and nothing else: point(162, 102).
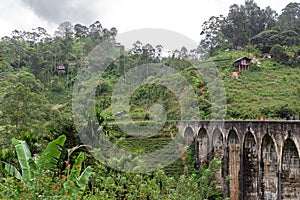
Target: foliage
point(275, 87)
point(235, 30)
point(110, 184)
point(24, 105)
point(33, 163)
point(290, 18)
point(77, 181)
point(36, 103)
point(278, 52)
point(265, 40)
point(40, 177)
point(249, 23)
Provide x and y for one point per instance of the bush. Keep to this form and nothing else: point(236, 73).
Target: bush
point(279, 53)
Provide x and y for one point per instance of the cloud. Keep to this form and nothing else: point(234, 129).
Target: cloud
point(185, 17)
point(57, 11)
point(168, 39)
point(14, 15)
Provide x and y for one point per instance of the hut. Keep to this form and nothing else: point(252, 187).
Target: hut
point(267, 55)
point(242, 64)
point(61, 68)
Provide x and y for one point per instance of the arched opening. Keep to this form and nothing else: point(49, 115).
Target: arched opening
point(250, 168)
point(188, 134)
point(203, 147)
point(218, 152)
point(269, 168)
point(233, 164)
point(189, 155)
point(290, 179)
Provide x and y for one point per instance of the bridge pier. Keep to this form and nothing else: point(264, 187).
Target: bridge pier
point(260, 157)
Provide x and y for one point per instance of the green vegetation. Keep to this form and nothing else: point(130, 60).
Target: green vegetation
point(38, 73)
point(269, 89)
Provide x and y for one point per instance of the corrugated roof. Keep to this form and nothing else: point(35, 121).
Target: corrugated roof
point(242, 58)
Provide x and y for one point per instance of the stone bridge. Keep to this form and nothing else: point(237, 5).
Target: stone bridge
point(260, 159)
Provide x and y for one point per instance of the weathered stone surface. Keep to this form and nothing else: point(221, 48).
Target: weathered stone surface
point(260, 157)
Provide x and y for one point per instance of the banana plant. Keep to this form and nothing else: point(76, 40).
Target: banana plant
point(38, 164)
point(77, 178)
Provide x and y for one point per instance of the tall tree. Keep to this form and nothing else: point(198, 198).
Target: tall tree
point(242, 23)
point(96, 31)
point(211, 30)
point(290, 18)
point(24, 105)
point(81, 31)
point(65, 30)
point(64, 36)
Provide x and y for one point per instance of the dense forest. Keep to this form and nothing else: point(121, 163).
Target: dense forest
point(42, 155)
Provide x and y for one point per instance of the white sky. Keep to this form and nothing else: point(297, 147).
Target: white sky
point(185, 17)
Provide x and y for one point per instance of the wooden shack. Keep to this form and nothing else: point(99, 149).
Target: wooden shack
point(242, 64)
point(61, 68)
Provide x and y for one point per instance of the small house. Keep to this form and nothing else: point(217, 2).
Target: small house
point(61, 68)
point(242, 64)
point(267, 56)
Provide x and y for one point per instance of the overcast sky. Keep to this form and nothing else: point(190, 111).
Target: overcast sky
point(182, 16)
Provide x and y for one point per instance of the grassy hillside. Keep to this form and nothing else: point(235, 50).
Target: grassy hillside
point(268, 89)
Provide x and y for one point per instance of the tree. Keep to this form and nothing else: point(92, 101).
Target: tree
point(96, 31)
point(64, 30)
point(271, 18)
point(289, 38)
point(278, 53)
point(183, 52)
point(242, 23)
point(14, 49)
point(265, 40)
point(137, 48)
point(158, 51)
point(246, 21)
point(24, 105)
point(290, 18)
point(81, 31)
point(113, 32)
point(213, 35)
point(64, 37)
point(148, 52)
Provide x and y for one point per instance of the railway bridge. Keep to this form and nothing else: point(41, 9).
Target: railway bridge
point(260, 159)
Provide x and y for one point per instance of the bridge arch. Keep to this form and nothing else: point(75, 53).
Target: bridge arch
point(250, 167)
point(218, 152)
point(269, 168)
point(217, 144)
point(203, 127)
point(249, 131)
point(203, 146)
point(291, 136)
point(234, 129)
point(188, 134)
point(290, 169)
point(233, 144)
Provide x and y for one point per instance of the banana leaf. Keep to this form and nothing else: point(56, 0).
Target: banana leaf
point(75, 172)
point(49, 158)
point(83, 179)
point(24, 156)
point(11, 170)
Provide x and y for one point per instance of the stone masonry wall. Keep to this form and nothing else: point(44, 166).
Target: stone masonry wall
point(261, 158)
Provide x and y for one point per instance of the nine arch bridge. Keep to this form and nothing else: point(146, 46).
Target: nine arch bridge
point(260, 157)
